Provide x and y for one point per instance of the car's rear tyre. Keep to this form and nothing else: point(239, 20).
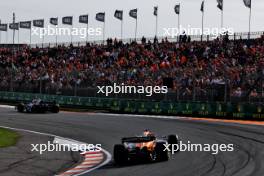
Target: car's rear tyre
point(161, 153)
point(55, 109)
point(172, 139)
point(120, 154)
point(35, 109)
point(20, 108)
point(145, 155)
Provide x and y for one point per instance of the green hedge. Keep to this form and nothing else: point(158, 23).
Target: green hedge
point(197, 109)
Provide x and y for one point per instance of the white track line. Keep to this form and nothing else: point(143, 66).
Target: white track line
point(83, 167)
point(145, 116)
point(127, 115)
point(93, 159)
point(7, 106)
point(107, 154)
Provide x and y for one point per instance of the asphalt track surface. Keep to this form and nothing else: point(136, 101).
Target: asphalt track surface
point(246, 160)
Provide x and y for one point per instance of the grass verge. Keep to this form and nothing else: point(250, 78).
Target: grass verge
point(7, 138)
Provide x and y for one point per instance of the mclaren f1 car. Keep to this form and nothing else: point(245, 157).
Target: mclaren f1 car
point(145, 148)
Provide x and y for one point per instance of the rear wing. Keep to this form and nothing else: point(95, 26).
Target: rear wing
point(138, 139)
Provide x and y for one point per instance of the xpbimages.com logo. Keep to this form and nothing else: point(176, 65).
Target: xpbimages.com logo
point(125, 89)
point(56, 31)
point(192, 31)
point(55, 147)
point(214, 149)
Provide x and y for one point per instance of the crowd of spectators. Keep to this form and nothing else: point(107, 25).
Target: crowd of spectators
point(193, 65)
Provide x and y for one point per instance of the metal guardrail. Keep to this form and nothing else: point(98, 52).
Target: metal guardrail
point(197, 109)
point(235, 36)
point(213, 93)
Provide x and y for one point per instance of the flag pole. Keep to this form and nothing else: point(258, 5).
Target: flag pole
point(249, 25)
point(87, 28)
point(18, 33)
point(104, 31)
point(14, 18)
point(156, 32)
point(6, 38)
point(179, 25)
point(43, 41)
point(122, 29)
point(18, 36)
point(222, 15)
point(30, 35)
point(71, 31)
point(202, 23)
point(43, 36)
point(0, 34)
point(56, 36)
point(179, 20)
point(136, 31)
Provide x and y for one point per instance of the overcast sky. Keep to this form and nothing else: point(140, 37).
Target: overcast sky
point(235, 15)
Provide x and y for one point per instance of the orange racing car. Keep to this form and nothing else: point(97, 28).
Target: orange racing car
point(143, 148)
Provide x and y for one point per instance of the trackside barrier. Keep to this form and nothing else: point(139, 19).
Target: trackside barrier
point(197, 109)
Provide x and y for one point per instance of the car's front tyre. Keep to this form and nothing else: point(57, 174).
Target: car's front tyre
point(20, 108)
point(161, 153)
point(55, 109)
point(172, 139)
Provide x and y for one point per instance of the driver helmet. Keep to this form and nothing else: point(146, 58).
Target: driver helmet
point(148, 133)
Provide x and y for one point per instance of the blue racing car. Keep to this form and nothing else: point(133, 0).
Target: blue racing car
point(38, 106)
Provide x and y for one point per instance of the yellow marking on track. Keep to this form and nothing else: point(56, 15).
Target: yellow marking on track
point(244, 122)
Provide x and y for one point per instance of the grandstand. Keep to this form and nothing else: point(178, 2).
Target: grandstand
point(227, 69)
